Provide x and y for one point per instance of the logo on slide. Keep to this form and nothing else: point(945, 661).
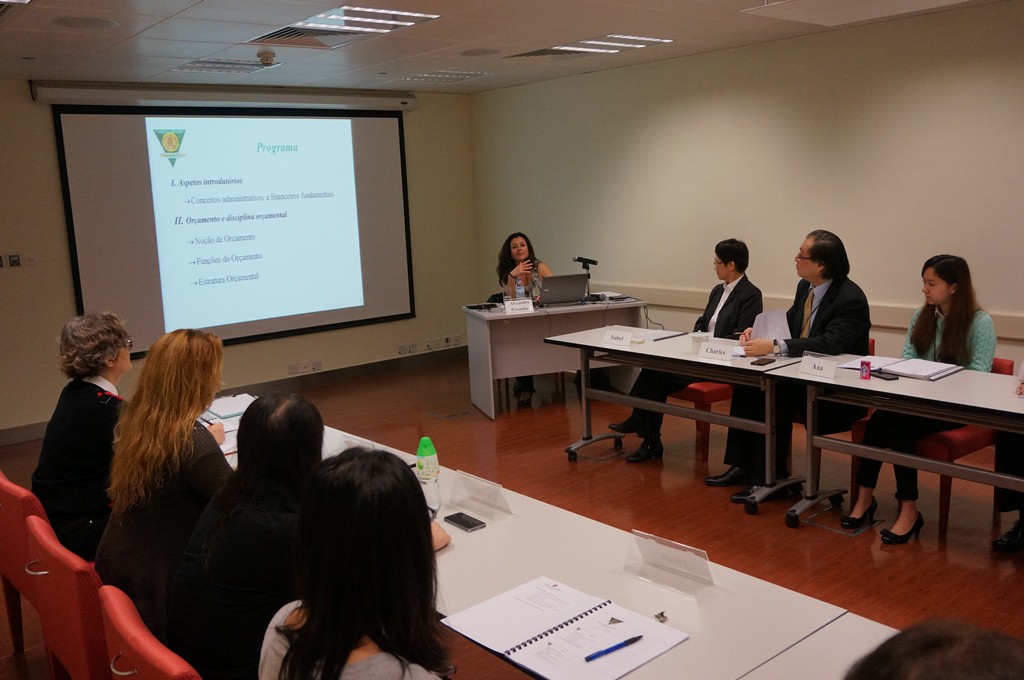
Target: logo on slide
point(170, 142)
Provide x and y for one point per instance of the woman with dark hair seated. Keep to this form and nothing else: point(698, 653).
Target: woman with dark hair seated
point(74, 465)
point(950, 328)
point(238, 568)
point(366, 579)
point(517, 262)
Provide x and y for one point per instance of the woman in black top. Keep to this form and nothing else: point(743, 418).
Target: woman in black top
point(74, 465)
point(238, 567)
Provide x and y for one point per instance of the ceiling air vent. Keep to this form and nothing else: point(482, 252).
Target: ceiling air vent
point(290, 36)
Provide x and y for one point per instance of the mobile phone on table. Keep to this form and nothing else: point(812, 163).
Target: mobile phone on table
point(883, 376)
point(763, 361)
point(464, 521)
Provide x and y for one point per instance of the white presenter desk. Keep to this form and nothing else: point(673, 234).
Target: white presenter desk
point(510, 345)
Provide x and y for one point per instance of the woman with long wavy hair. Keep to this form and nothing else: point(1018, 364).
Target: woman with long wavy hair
point(951, 328)
point(366, 579)
point(166, 467)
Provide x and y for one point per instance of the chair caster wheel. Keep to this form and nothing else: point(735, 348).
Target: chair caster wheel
point(792, 520)
point(571, 454)
point(750, 506)
point(836, 500)
point(618, 443)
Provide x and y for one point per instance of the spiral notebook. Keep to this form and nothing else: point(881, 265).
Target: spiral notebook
point(549, 629)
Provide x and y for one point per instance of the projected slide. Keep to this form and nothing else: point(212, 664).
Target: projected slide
point(254, 218)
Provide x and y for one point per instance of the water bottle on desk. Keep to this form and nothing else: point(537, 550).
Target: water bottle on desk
point(427, 469)
point(520, 290)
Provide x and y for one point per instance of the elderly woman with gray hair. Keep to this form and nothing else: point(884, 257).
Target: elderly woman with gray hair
point(74, 466)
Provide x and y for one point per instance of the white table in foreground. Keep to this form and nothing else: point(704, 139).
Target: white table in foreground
point(826, 654)
point(727, 637)
point(727, 640)
point(510, 345)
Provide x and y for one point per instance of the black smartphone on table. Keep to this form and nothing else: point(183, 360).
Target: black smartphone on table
point(763, 361)
point(464, 521)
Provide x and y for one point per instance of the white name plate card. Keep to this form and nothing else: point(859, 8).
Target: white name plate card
point(715, 351)
point(519, 306)
point(819, 366)
point(617, 337)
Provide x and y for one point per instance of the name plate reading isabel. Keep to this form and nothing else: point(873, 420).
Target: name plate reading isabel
point(617, 337)
point(715, 351)
point(519, 306)
point(819, 366)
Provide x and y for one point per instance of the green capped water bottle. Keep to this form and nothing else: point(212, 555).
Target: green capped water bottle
point(427, 469)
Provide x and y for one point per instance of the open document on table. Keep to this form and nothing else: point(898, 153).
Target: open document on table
point(551, 629)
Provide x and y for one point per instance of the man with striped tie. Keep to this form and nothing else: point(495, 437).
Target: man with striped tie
point(829, 315)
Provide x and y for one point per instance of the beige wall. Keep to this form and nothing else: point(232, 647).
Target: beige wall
point(905, 138)
point(36, 300)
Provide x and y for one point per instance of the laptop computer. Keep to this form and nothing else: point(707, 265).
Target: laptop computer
point(570, 289)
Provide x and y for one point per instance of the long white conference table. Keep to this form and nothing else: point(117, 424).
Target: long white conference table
point(726, 640)
point(677, 355)
point(973, 397)
point(510, 345)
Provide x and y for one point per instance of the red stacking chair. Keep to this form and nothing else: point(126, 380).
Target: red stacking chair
point(948, 446)
point(131, 648)
point(16, 504)
point(67, 599)
point(703, 395)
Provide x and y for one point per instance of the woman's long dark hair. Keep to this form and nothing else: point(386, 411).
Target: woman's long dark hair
point(366, 568)
point(505, 262)
point(954, 347)
point(280, 438)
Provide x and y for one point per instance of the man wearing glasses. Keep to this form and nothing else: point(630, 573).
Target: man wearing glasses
point(829, 315)
point(732, 306)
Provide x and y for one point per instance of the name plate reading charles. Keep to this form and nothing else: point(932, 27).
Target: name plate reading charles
point(617, 337)
point(819, 366)
point(715, 351)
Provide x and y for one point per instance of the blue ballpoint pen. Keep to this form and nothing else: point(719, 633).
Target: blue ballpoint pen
point(627, 643)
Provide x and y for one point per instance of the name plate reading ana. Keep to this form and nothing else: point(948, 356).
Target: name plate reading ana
point(715, 351)
point(617, 337)
point(819, 366)
point(519, 306)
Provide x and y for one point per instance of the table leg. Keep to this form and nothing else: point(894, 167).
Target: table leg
point(814, 495)
point(772, 485)
point(587, 439)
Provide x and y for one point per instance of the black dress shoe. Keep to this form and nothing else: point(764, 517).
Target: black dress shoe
point(734, 476)
point(742, 496)
point(889, 538)
point(649, 448)
point(1012, 540)
point(627, 426)
point(850, 522)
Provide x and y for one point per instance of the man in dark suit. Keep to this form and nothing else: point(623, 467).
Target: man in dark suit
point(829, 316)
point(732, 306)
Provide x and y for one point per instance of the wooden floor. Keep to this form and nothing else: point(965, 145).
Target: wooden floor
point(524, 451)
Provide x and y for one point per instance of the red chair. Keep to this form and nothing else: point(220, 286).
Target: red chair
point(131, 648)
point(946, 446)
point(67, 599)
point(703, 395)
point(16, 504)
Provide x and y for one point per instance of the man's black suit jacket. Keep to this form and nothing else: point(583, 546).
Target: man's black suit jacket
point(841, 325)
point(738, 312)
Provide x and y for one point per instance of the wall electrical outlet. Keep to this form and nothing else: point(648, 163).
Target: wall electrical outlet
point(293, 369)
point(413, 348)
point(305, 367)
point(317, 365)
point(456, 340)
point(403, 349)
point(447, 340)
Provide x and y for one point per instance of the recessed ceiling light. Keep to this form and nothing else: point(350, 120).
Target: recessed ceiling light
point(446, 76)
point(364, 19)
point(611, 44)
point(236, 66)
point(13, 2)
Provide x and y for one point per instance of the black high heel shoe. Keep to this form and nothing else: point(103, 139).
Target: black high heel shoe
point(890, 538)
point(848, 522)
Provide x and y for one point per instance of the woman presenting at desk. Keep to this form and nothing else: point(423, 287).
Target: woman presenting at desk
point(516, 261)
point(166, 467)
point(949, 328)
